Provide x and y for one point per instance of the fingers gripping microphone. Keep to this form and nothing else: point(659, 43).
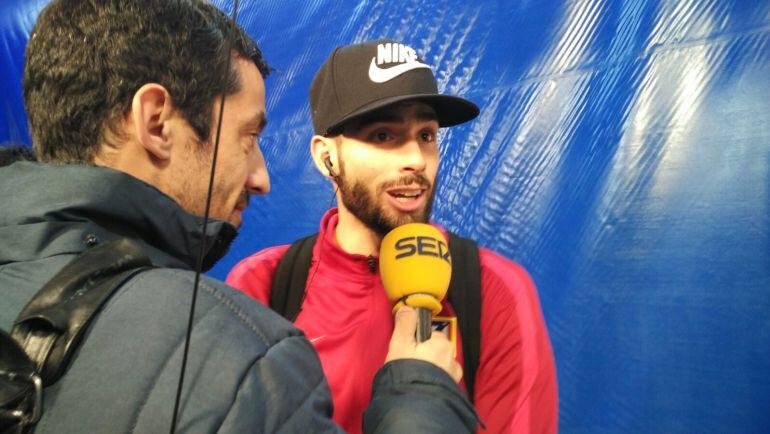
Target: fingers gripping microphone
point(416, 266)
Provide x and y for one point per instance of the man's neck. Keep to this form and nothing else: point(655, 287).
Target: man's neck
point(354, 237)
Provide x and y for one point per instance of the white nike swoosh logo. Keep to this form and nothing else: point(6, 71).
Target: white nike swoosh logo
point(380, 75)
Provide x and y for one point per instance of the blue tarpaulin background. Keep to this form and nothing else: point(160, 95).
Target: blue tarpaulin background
point(622, 156)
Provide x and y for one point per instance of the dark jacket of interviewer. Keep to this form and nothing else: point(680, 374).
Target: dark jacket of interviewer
point(248, 369)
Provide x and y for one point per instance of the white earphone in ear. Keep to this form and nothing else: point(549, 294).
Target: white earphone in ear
point(329, 166)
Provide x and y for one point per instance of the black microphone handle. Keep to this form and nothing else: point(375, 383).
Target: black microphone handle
point(424, 324)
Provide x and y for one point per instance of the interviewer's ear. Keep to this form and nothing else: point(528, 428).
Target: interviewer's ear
point(324, 152)
point(151, 110)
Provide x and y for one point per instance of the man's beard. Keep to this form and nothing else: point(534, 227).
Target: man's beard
point(358, 199)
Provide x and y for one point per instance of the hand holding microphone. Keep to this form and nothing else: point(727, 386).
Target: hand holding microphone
point(438, 350)
point(416, 267)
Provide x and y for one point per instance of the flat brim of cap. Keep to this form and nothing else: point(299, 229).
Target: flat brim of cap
point(450, 110)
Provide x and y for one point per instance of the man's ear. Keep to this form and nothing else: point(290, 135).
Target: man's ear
point(321, 149)
point(151, 109)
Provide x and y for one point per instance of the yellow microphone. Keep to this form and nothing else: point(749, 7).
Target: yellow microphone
point(416, 267)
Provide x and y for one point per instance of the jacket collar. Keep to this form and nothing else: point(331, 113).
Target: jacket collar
point(352, 264)
point(48, 209)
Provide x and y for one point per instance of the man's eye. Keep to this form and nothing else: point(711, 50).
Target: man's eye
point(253, 141)
point(381, 136)
point(427, 136)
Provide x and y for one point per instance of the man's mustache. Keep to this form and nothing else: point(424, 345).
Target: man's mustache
point(406, 180)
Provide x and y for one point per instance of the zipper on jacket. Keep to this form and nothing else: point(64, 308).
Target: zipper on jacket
point(372, 264)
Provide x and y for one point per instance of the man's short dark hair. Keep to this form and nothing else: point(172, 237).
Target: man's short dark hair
point(11, 153)
point(87, 58)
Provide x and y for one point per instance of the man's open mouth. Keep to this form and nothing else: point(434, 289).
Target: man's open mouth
point(408, 198)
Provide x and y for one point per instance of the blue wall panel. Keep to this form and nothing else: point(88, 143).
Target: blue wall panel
point(622, 155)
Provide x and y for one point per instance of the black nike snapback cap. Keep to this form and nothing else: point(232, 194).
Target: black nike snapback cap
point(360, 78)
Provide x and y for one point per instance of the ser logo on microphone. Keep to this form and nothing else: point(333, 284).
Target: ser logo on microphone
point(423, 246)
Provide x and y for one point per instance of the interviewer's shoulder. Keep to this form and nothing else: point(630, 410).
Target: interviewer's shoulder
point(220, 303)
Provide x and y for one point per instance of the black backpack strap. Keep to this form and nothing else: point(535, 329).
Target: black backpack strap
point(288, 290)
point(21, 389)
point(465, 297)
point(51, 325)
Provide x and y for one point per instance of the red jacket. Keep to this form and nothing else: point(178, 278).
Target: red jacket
point(347, 317)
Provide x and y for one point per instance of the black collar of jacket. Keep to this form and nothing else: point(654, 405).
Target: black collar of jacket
point(58, 209)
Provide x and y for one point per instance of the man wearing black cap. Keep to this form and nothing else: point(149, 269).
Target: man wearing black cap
point(376, 112)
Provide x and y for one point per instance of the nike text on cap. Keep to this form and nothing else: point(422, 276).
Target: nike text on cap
point(358, 79)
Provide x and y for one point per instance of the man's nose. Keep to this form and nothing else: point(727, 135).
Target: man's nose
point(413, 157)
point(258, 180)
